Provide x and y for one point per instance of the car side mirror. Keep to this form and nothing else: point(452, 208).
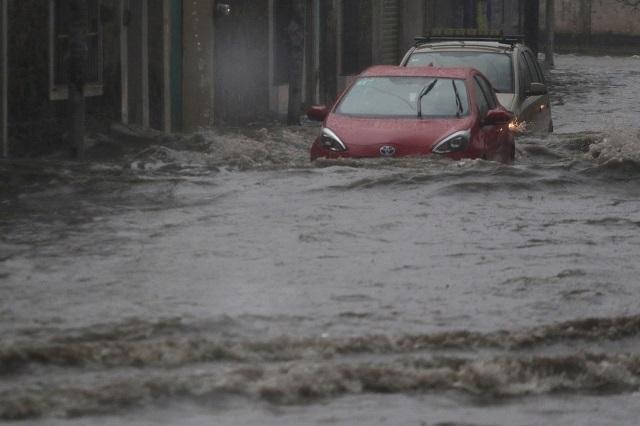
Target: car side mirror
point(536, 89)
point(498, 117)
point(318, 112)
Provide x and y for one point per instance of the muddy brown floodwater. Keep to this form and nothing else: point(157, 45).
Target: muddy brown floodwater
point(230, 282)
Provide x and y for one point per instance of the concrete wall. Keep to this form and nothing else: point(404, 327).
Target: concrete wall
point(505, 15)
point(613, 16)
point(596, 17)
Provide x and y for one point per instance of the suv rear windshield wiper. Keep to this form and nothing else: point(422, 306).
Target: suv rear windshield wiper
point(424, 92)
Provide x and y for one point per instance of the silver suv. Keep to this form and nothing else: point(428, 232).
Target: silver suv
point(510, 66)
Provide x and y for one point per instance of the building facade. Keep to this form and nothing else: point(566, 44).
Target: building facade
point(354, 34)
point(184, 64)
point(591, 20)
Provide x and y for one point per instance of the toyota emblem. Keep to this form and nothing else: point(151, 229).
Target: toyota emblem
point(387, 151)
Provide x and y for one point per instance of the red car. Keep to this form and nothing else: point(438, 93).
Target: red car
point(391, 111)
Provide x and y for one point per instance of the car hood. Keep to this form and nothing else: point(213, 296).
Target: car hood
point(507, 100)
point(404, 133)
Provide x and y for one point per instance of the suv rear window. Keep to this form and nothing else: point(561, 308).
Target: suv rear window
point(497, 67)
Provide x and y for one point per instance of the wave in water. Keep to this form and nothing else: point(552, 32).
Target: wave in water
point(302, 382)
point(264, 148)
point(175, 344)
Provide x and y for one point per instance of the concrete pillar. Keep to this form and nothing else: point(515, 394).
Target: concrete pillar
point(198, 71)
point(273, 90)
point(4, 76)
point(138, 63)
point(317, 34)
point(166, 66)
point(124, 61)
point(144, 60)
point(309, 84)
point(176, 64)
point(550, 22)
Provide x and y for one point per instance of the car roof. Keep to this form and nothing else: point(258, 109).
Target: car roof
point(421, 71)
point(473, 45)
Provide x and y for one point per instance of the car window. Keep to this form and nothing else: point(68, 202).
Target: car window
point(528, 69)
point(481, 100)
point(536, 66)
point(399, 96)
point(523, 74)
point(497, 67)
point(531, 72)
point(487, 91)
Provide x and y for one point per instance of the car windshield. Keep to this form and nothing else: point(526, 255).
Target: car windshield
point(399, 96)
point(497, 67)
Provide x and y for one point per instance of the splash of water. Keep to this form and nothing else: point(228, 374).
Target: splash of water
point(620, 146)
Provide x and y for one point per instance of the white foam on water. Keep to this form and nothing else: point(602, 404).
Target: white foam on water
point(286, 146)
point(239, 149)
point(619, 146)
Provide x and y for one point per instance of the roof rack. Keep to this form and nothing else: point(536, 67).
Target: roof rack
point(462, 36)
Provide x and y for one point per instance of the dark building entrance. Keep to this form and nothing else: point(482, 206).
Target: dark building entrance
point(241, 62)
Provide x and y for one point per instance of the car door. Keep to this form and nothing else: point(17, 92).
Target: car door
point(535, 109)
point(486, 101)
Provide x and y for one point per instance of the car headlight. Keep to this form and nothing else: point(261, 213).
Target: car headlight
point(459, 141)
point(331, 141)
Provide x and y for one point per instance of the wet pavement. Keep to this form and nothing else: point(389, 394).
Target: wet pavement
point(230, 282)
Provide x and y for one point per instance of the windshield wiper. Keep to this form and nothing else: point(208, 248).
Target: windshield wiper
point(458, 100)
point(424, 92)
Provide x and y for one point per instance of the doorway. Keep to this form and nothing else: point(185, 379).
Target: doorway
point(241, 62)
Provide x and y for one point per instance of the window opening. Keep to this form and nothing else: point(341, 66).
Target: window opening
point(59, 49)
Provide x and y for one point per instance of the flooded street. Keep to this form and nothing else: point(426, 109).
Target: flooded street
point(231, 282)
